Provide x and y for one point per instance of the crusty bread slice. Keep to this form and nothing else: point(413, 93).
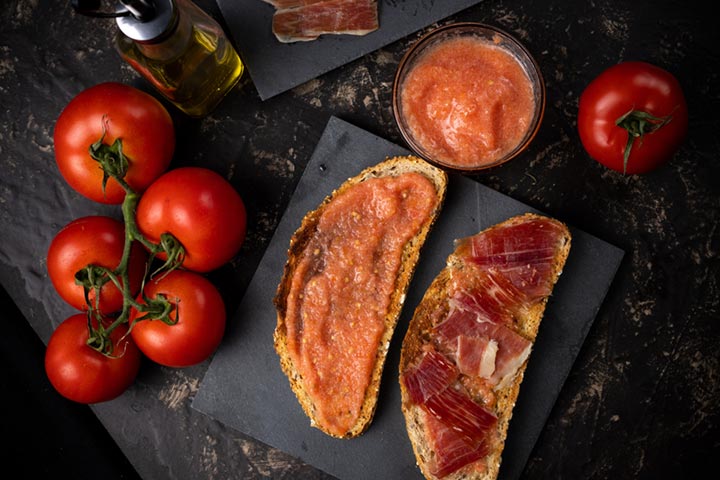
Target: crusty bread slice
point(390, 167)
point(434, 305)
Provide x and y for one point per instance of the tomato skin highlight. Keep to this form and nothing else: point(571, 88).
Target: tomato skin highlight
point(84, 375)
point(136, 117)
point(97, 240)
point(618, 90)
point(199, 329)
point(199, 208)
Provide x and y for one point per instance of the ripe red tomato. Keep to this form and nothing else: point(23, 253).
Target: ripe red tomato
point(201, 210)
point(93, 240)
point(634, 97)
point(122, 112)
point(83, 374)
point(199, 328)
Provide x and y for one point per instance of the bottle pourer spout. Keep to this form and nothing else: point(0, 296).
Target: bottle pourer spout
point(141, 10)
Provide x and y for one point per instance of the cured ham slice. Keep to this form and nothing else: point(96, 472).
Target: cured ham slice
point(523, 252)
point(488, 293)
point(457, 425)
point(452, 450)
point(305, 20)
point(429, 384)
point(456, 409)
point(512, 348)
point(431, 376)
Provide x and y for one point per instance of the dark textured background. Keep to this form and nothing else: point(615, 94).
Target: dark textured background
point(642, 398)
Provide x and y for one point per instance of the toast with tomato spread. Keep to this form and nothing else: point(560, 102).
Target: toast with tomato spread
point(349, 266)
point(467, 346)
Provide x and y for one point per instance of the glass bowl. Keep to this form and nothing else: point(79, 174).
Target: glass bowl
point(451, 105)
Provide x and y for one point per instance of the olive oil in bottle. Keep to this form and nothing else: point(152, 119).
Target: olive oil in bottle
point(176, 46)
point(190, 61)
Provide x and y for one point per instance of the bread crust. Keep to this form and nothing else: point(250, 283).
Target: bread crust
point(434, 303)
point(390, 167)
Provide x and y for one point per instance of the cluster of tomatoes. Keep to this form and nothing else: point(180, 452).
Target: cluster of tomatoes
point(114, 144)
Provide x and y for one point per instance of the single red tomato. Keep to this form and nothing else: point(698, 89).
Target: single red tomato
point(198, 313)
point(633, 117)
point(84, 375)
point(201, 210)
point(99, 241)
point(113, 111)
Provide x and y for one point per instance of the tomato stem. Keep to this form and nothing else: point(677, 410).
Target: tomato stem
point(175, 253)
point(638, 123)
point(159, 308)
point(114, 164)
point(111, 158)
point(98, 337)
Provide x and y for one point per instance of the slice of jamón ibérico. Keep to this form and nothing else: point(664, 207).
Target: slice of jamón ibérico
point(457, 426)
point(429, 377)
point(311, 19)
point(452, 450)
point(457, 410)
point(512, 348)
point(429, 384)
point(488, 293)
point(523, 252)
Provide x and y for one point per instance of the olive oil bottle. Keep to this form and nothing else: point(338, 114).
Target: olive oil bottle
point(180, 49)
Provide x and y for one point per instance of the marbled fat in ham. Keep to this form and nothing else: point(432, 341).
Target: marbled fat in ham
point(476, 356)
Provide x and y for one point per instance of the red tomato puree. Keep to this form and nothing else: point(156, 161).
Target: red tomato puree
point(467, 101)
point(341, 290)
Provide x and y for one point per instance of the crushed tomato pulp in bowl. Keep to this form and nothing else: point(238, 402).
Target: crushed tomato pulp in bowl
point(468, 96)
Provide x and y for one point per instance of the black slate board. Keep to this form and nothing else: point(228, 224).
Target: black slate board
point(245, 388)
point(276, 67)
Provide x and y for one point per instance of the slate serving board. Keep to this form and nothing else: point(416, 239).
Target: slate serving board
point(245, 388)
point(276, 67)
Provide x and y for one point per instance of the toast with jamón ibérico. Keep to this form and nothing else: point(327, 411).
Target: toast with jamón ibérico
point(467, 346)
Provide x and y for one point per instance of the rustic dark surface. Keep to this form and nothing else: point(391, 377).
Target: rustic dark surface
point(642, 398)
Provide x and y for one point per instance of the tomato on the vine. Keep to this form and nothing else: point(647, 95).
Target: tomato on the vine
point(199, 320)
point(633, 117)
point(201, 210)
point(92, 240)
point(81, 373)
point(113, 111)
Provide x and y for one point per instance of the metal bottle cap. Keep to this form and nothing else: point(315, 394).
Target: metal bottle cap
point(144, 24)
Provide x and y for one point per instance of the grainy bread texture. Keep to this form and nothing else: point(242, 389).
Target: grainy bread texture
point(433, 305)
point(391, 167)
